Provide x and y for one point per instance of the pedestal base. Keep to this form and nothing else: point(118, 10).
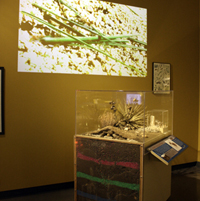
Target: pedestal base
point(118, 170)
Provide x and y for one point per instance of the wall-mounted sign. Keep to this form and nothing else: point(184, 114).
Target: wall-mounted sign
point(161, 78)
point(82, 37)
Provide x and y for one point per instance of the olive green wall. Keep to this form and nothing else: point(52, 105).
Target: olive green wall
point(37, 148)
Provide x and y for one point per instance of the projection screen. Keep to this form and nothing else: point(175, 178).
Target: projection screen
point(82, 37)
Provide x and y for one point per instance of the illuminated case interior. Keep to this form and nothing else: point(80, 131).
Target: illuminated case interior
point(138, 117)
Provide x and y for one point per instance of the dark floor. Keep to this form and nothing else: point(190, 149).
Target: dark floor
point(185, 184)
point(185, 187)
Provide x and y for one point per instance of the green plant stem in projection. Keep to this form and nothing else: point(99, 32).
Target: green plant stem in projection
point(93, 39)
point(82, 40)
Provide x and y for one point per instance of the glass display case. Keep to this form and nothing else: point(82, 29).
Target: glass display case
point(113, 131)
point(157, 121)
point(140, 117)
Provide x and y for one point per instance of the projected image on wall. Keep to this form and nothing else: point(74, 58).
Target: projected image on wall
point(82, 37)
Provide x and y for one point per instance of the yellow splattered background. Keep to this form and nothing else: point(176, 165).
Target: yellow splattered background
point(43, 24)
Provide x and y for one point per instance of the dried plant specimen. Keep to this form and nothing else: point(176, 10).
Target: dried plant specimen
point(108, 118)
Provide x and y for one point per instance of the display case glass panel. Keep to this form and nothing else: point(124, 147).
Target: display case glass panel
point(137, 117)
